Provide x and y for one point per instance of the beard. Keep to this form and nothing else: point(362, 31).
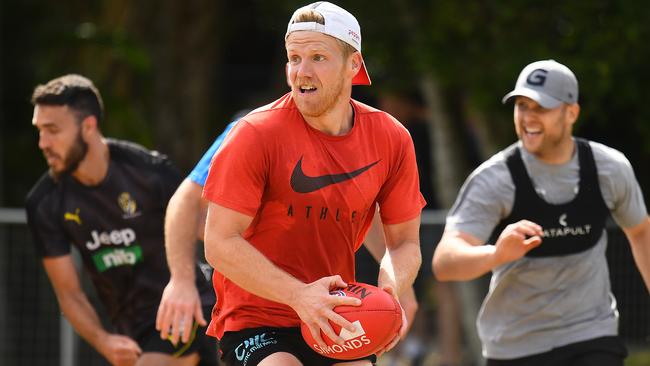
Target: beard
point(327, 102)
point(74, 156)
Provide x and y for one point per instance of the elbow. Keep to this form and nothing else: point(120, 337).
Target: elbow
point(220, 252)
point(438, 274)
point(442, 276)
point(440, 271)
point(211, 250)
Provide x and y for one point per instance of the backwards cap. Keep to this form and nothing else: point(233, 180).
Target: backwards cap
point(340, 24)
point(547, 82)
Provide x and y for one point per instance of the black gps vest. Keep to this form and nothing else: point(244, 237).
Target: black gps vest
point(570, 227)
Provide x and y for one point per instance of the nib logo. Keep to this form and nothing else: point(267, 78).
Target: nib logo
point(358, 332)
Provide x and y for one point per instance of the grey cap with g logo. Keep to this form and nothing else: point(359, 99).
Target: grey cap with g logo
point(547, 82)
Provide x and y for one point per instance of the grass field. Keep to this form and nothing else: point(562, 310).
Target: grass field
point(638, 357)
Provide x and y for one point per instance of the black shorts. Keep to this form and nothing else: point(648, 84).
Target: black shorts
point(603, 351)
point(248, 347)
point(149, 340)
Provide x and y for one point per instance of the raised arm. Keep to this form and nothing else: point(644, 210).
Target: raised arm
point(639, 238)
point(117, 349)
point(232, 255)
point(180, 304)
point(460, 256)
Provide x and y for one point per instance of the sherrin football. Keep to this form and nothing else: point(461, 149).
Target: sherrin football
point(377, 320)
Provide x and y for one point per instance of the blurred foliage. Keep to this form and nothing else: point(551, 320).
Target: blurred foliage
point(41, 41)
point(476, 49)
point(173, 73)
point(479, 47)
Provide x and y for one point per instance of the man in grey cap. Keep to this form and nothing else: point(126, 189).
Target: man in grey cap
point(541, 205)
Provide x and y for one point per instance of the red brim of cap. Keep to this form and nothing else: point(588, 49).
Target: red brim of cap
point(362, 77)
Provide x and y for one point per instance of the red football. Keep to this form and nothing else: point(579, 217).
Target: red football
point(378, 320)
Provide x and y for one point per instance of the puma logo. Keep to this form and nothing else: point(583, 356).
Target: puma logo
point(72, 217)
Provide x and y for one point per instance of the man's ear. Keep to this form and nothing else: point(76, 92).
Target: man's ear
point(573, 111)
point(88, 126)
point(356, 62)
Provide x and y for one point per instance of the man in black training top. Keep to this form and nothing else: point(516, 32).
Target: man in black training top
point(108, 198)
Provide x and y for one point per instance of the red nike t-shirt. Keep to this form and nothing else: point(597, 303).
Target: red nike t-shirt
point(311, 196)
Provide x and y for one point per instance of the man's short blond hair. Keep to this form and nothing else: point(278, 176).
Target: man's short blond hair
point(309, 16)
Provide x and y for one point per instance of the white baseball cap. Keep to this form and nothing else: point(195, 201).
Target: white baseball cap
point(547, 82)
point(340, 24)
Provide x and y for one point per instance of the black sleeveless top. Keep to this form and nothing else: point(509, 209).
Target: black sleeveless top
point(570, 227)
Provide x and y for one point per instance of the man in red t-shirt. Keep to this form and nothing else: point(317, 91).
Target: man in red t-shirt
point(292, 193)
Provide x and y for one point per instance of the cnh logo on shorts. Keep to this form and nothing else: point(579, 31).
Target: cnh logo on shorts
point(252, 344)
point(537, 77)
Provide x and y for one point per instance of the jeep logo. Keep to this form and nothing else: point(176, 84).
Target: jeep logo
point(113, 237)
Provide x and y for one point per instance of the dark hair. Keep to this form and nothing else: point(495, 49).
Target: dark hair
point(75, 91)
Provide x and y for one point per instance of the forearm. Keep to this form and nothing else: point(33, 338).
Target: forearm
point(248, 268)
point(400, 265)
point(375, 241)
point(181, 225)
point(457, 260)
point(642, 259)
point(84, 319)
point(640, 244)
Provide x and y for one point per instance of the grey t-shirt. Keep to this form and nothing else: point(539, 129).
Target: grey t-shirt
point(537, 304)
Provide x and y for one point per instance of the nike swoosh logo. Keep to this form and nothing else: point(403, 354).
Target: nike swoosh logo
point(302, 183)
